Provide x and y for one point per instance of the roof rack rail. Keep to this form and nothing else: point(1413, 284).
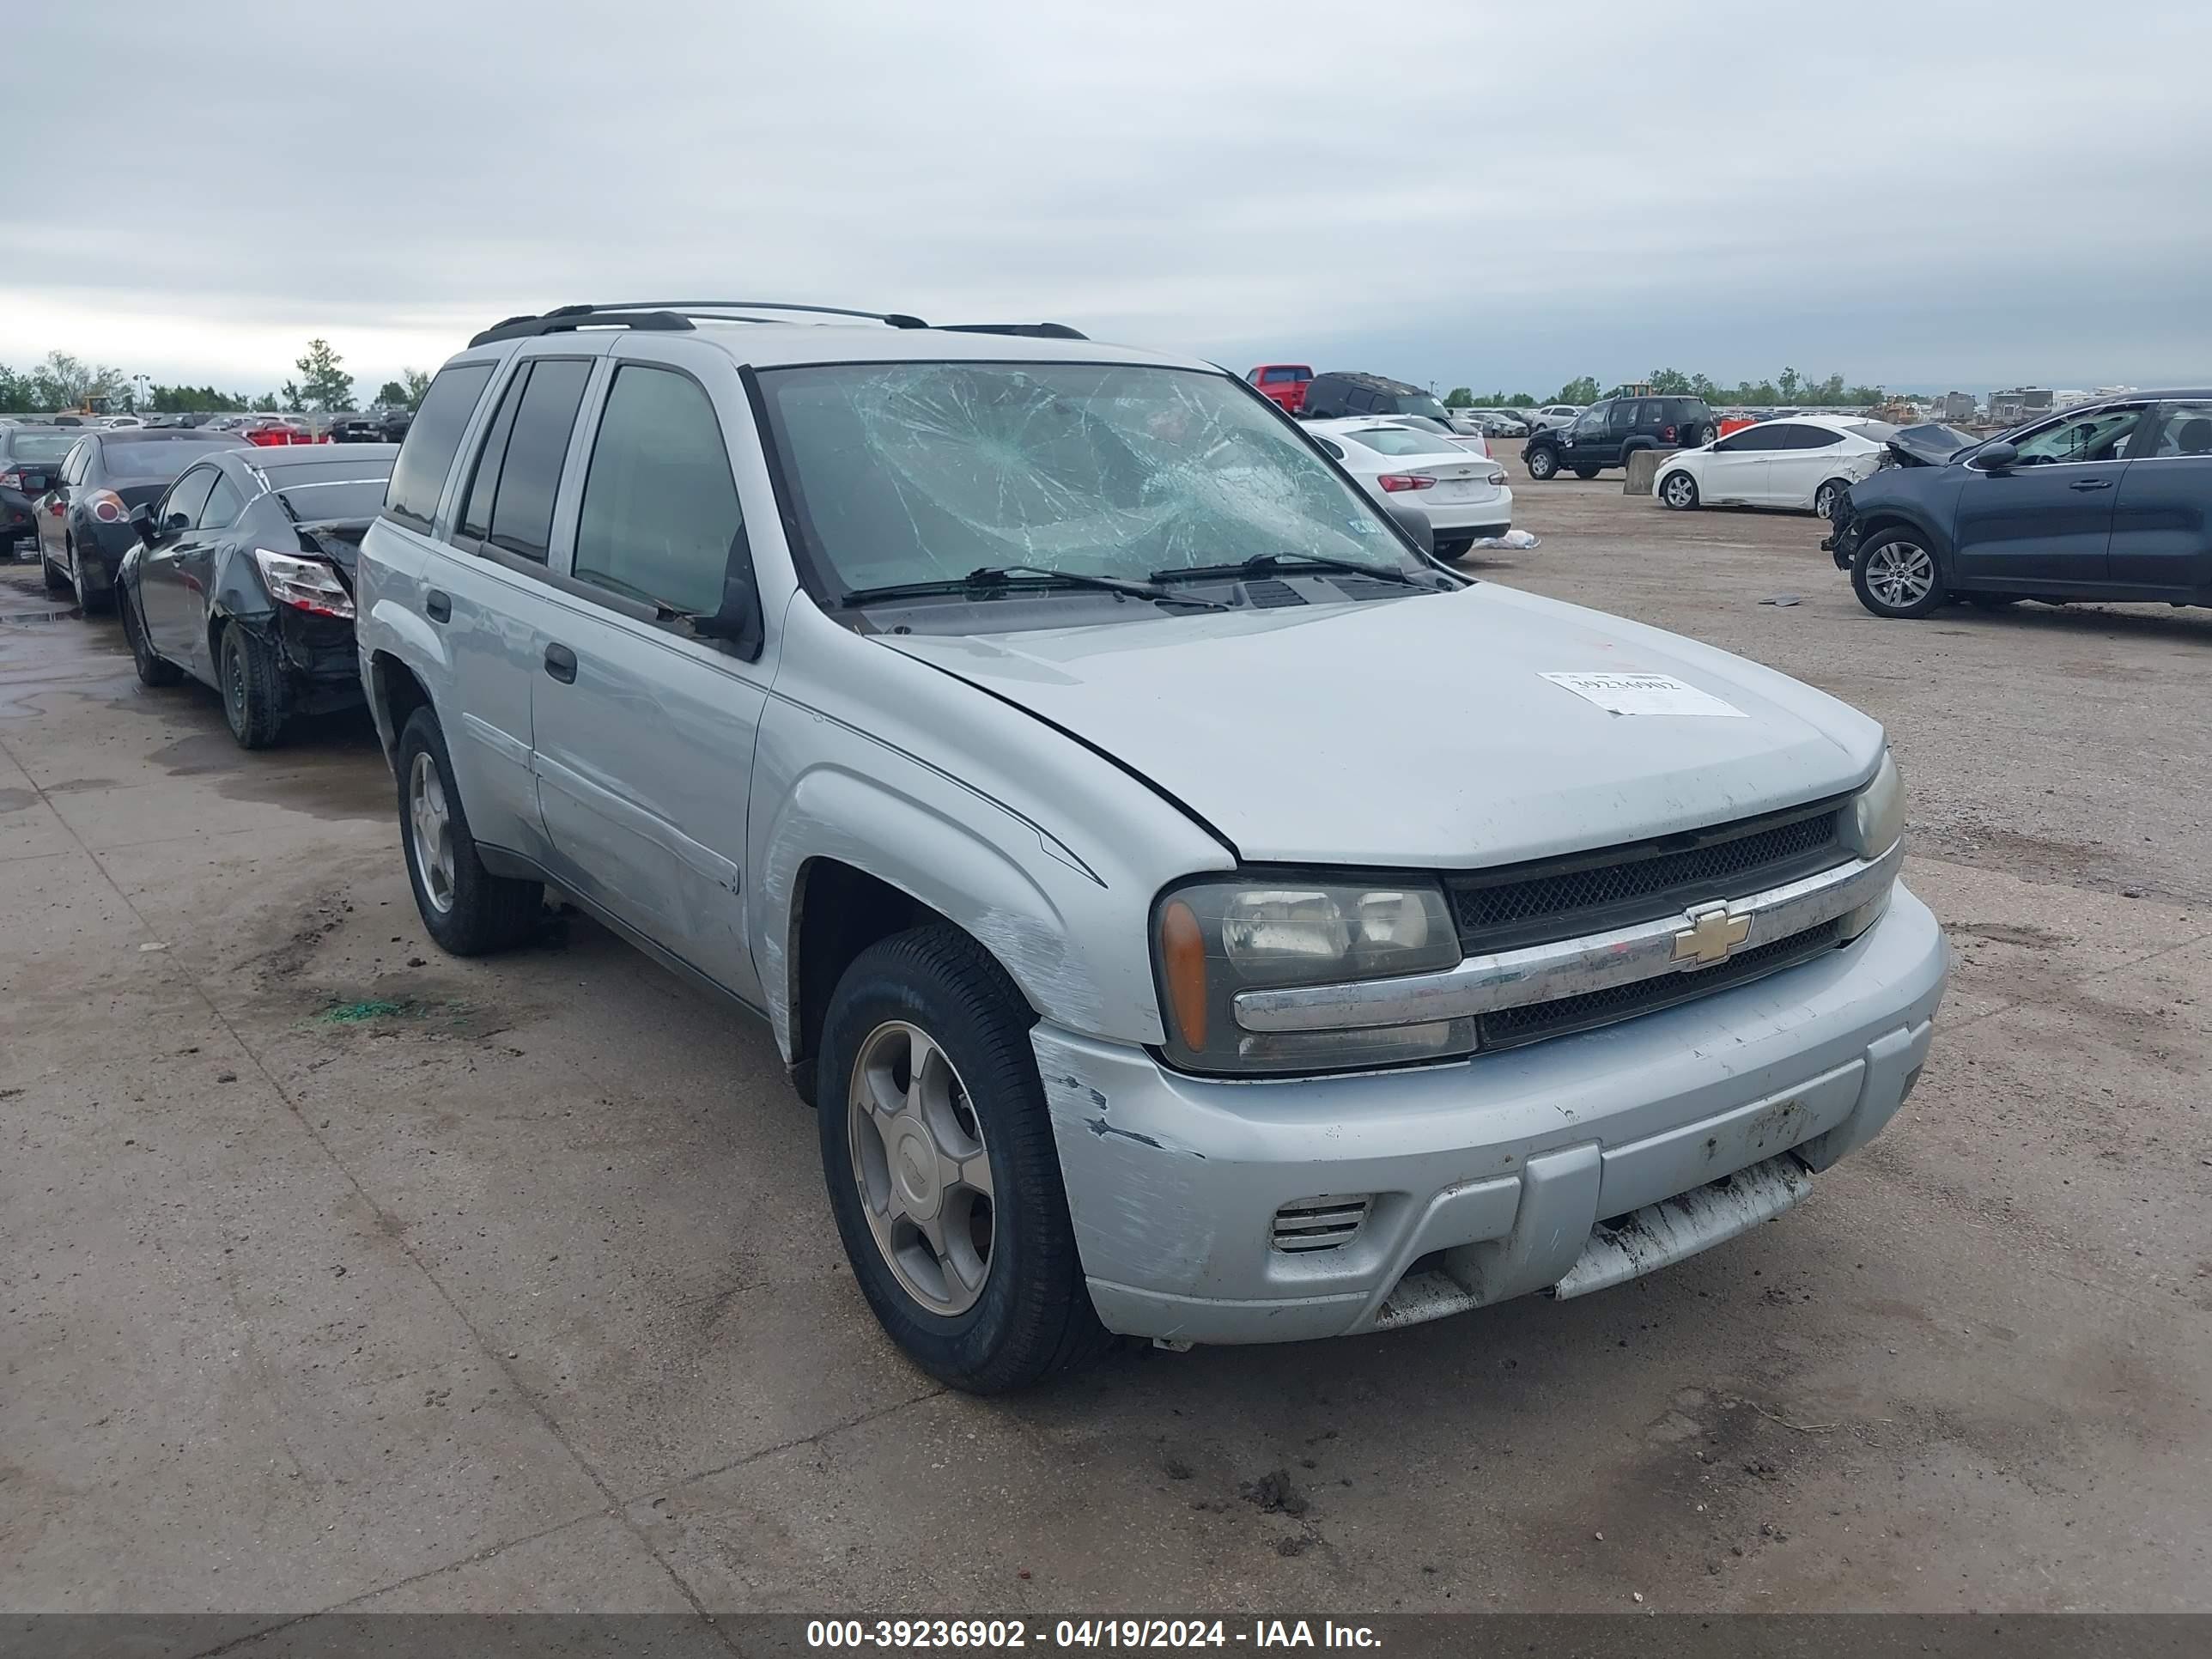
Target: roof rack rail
point(1032, 331)
point(708, 307)
point(563, 318)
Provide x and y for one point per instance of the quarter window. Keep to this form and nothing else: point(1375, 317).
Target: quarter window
point(661, 511)
point(433, 440)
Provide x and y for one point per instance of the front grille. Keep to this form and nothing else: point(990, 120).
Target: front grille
point(1509, 1028)
point(1306, 1224)
point(1621, 886)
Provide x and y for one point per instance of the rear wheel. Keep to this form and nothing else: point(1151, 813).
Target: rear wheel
point(1896, 576)
point(943, 1172)
point(1586, 472)
point(468, 910)
point(153, 670)
point(252, 688)
point(1457, 548)
point(1679, 490)
point(87, 600)
point(1702, 435)
point(1824, 498)
point(1543, 464)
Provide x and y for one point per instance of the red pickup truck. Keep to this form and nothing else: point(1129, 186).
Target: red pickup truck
point(1282, 383)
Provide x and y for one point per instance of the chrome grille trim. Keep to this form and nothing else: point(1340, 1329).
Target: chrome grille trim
point(1565, 967)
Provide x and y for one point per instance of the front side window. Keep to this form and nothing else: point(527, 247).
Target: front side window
point(179, 508)
point(660, 512)
point(433, 440)
point(925, 471)
point(2097, 436)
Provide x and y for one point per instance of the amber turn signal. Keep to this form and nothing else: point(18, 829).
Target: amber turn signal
point(1182, 950)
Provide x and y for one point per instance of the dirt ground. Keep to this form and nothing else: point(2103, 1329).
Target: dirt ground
point(340, 1274)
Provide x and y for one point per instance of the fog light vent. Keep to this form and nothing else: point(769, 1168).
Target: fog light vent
point(1319, 1224)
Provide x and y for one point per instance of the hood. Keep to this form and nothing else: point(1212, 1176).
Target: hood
point(1420, 731)
point(1929, 444)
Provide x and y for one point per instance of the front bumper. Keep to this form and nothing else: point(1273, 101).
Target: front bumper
point(1486, 1179)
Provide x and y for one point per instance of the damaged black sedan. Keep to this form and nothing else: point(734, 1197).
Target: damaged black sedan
point(243, 579)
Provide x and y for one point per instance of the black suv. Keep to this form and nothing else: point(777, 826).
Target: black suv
point(1606, 434)
point(1336, 394)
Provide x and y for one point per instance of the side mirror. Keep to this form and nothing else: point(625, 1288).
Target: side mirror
point(142, 520)
point(1996, 456)
point(1415, 522)
point(737, 622)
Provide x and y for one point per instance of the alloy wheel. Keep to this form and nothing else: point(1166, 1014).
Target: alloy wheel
point(920, 1163)
point(1899, 574)
point(431, 826)
point(1680, 492)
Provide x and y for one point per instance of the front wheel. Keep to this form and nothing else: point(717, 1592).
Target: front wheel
point(942, 1173)
point(1679, 490)
point(1896, 576)
point(1543, 464)
point(153, 670)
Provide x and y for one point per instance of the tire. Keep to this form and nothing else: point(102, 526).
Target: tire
point(1010, 1312)
point(481, 912)
point(1455, 550)
point(1824, 498)
point(153, 670)
point(1704, 435)
point(1543, 464)
point(86, 601)
point(253, 687)
point(1896, 575)
point(1586, 472)
point(1680, 491)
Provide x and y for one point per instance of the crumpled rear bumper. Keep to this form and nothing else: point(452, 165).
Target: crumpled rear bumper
point(1488, 1179)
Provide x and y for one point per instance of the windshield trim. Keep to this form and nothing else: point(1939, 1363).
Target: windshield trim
point(811, 566)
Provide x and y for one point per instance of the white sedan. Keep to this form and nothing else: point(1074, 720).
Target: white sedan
point(1463, 493)
point(1804, 463)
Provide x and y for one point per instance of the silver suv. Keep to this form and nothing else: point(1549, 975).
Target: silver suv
point(1192, 912)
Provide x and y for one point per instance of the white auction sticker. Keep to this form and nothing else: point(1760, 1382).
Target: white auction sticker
point(1645, 694)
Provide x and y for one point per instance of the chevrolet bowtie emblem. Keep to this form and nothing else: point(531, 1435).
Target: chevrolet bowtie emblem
point(1711, 934)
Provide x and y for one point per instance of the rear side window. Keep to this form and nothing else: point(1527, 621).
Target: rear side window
point(224, 503)
point(510, 497)
point(432, 442)
point(660, 509)
point(2187, 431)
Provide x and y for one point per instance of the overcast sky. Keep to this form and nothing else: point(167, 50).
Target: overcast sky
point(1923, 195)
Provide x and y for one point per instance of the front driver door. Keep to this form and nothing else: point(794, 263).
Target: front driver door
point(164, 602)
point(2047, 520)
point(1734, 469)
point(644, 731)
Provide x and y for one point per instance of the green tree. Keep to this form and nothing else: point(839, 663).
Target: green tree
point(1581, 389)
point(323, 384)
point(392, 395)
point(1790, 384)
point(266, 403)
point(417, 384)
point(66, 382)
point(1460, 397)
point(1670, 381)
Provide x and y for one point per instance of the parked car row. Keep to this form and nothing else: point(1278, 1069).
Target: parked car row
point(1042, 736)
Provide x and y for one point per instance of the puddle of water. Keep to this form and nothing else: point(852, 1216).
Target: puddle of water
point(35, 617)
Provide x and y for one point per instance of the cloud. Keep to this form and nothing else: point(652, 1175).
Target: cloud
point(1485, 195)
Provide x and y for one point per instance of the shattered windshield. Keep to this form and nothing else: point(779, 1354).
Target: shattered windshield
point(917, 473)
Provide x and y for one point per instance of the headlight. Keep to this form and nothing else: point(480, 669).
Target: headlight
point(1876, 817)
point(1871, 825)
point(1217, 936)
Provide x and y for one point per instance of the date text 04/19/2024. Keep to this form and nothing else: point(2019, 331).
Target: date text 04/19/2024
point(1006, 1635)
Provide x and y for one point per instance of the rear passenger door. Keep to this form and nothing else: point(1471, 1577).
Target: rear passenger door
point(1803, 456)
point(2163, 520)
point(487, 589)
point(645, 731)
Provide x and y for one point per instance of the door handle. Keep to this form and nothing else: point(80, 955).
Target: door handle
point(560, 664)
point(2091, 484)
point(439, 604)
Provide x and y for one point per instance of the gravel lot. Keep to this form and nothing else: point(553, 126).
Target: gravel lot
point(524, 1295)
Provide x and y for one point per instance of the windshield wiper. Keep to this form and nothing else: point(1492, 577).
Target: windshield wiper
point(1260, 563)
point(1033, 578)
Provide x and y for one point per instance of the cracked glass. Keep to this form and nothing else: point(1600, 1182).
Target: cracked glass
point(915, 472)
